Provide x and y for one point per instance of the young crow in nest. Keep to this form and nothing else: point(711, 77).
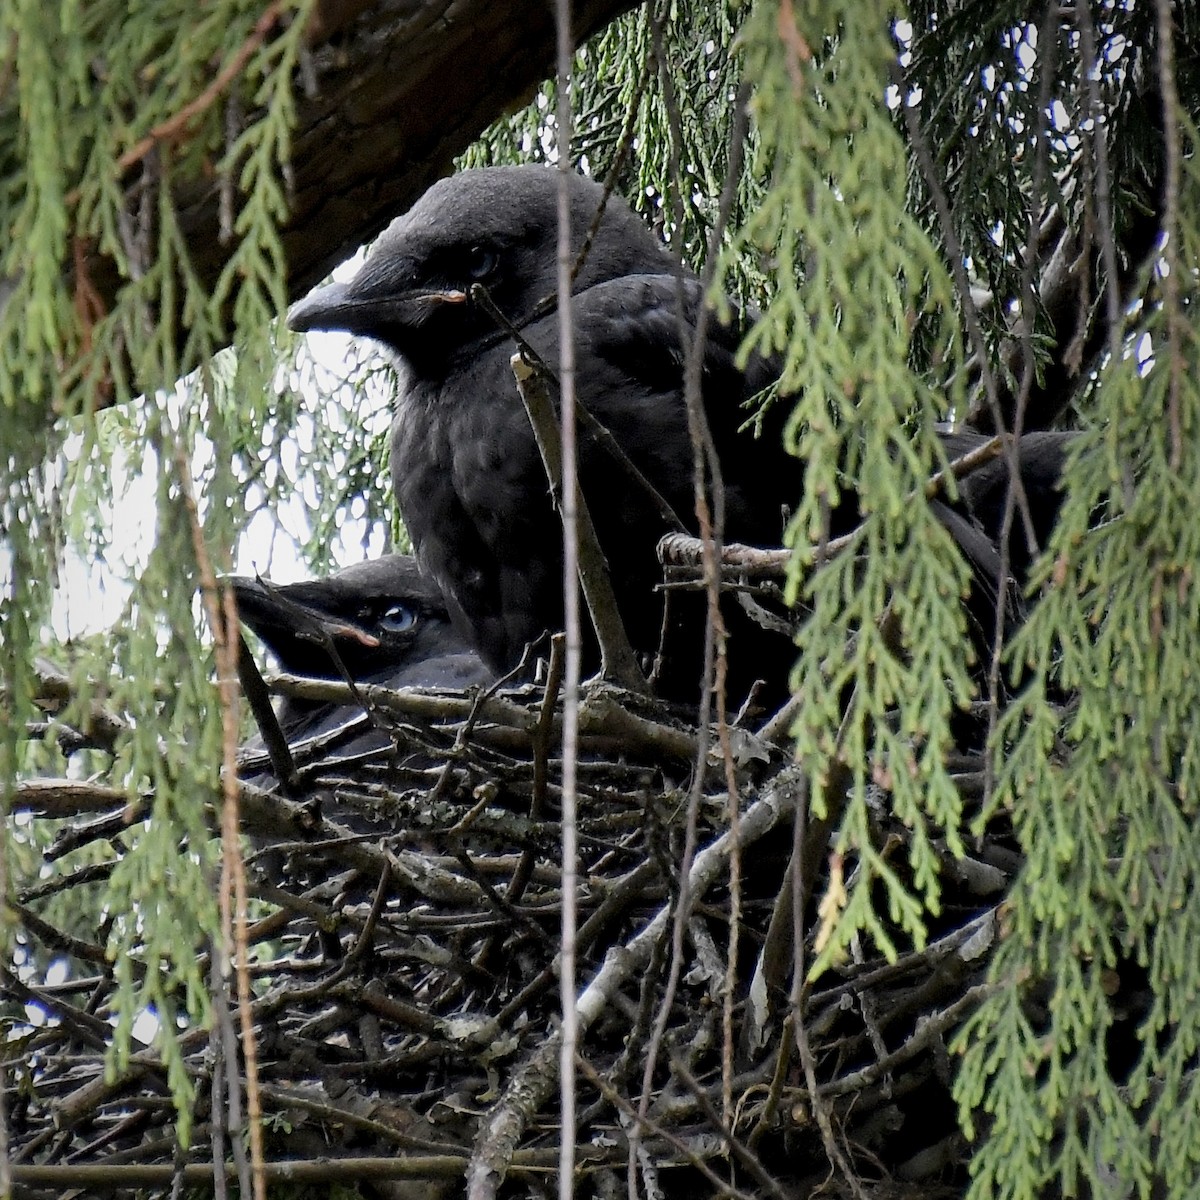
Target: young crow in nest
point(387, 624)
point(468, 478)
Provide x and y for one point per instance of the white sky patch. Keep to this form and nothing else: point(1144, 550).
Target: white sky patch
point(92, 593)
point(145, 1026)
point(1144, 354)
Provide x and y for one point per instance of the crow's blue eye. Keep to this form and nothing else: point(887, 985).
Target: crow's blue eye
point(481, 262)
point(397, 619)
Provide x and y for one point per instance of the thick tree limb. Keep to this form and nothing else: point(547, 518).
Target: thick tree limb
point(396, 89)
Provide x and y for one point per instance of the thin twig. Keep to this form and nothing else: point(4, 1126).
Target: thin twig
point(799, 997)
point(618, 663)
point(747, 1156)
point(541, 755)
point(223, 1047)
point(598, 432)
point(1176, 330)
point(723, 1186)
point(1096, 117)
point(258, 696)
point(583, 564)
point(706, 478)
point(927, 1031)
point(220, 605)
point(957, 260)
point(1015, 494)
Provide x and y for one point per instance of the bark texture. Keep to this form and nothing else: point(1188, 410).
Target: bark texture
point(400, 90)
point(390, 93)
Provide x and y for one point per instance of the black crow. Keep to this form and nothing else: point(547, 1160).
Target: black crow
point(386, 622)
point(468, 479)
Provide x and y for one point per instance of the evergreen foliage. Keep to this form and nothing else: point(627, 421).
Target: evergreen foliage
point(890, 162)
point(843, 325)
point(91, 87)
point(1102, 788)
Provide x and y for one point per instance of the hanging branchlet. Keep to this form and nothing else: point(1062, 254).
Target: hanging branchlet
point(843, 322)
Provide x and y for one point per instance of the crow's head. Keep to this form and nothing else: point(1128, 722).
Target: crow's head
point(386, 622)
point(495, 226)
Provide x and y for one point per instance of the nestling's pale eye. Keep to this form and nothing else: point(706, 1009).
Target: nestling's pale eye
point(397, 619)
point(481, 262)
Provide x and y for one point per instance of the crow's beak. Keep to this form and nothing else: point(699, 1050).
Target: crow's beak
point(274, 616)
point(326, 308)
point(343, 306)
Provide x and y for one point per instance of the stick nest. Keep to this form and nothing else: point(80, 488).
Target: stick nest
point(405, 969)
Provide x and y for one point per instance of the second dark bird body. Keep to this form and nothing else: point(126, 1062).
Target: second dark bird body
point(468, 480)
point(378, 622)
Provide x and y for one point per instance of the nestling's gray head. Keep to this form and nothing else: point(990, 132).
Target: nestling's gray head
point(496, 226)
point(383, 618)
